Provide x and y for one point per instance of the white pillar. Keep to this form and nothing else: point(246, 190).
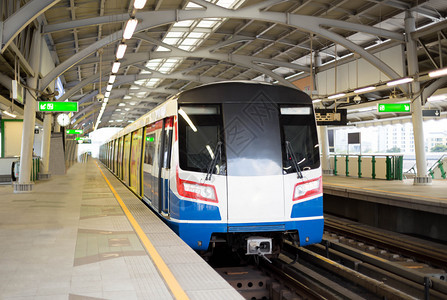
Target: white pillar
point(46, 140)
point(418, 129)
point(29, 118)
point(324, 145)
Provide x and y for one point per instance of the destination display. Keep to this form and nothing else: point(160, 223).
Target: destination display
point(331, 117)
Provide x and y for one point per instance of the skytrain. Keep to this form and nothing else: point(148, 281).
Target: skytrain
point(233, 163)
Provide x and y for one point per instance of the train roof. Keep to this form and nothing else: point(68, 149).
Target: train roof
point(220, 92)
point(242, 92)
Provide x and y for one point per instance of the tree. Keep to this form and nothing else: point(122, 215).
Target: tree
point(439, 148)
point(393, 150)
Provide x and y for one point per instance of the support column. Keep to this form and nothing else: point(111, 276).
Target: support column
point(29, 119)
point(46, 140)
point(418, 130)
point(57, 127)
point(324, 145)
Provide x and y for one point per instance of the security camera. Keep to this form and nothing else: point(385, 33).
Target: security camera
point(357, 99)
point(100, 97)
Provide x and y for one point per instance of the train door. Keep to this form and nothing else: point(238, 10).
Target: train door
point(150, 163)
point(254, 162)
point(126, 153)
point(120, 158)
point(165, 160)
point(115, 157)
point(135, 161)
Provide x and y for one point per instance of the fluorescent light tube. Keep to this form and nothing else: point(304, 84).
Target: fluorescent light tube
point(438, 73)
point(106, 94)
point(116, 67)
point(400, 81)
point(139, 4)
point(121, 51)
point(109, 87)
point(336, 96)
point(366, 89)
point(437, 97)
point(9, 114)
point(112, 79)
point(130, 28)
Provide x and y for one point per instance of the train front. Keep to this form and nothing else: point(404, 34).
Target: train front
point(248, 168)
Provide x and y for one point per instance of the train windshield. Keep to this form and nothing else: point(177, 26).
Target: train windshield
point(299, 131)
point(200, 131)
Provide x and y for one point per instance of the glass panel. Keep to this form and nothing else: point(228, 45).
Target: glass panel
point(300, 131)
point(200, 129)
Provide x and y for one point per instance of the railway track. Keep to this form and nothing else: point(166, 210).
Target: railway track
point(420, 250)
point(346, 267)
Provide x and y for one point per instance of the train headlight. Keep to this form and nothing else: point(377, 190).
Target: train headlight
point(307, 188)
point(195, 190)
point(201, 190)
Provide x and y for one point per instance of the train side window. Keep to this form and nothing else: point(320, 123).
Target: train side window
point(150, 149)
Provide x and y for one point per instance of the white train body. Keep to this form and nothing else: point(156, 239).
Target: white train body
point(229, 162)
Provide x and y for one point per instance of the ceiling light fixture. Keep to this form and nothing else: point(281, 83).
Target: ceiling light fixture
point(437, 98)
point(9, 114)
point(365, 89)
point(130, 28)
point(438, 73)
point(121, 51)
point(112, 79)
point(400, 81)
point(139, 4)
point(336, 96)
point(109, 87)
point(107, 94)
point(116, 67)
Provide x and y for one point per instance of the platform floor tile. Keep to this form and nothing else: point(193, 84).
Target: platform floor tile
point(70, 239)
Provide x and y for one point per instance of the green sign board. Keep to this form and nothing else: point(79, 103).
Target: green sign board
point(393, 107)
point(150, 138)
point(75, 131)
point(80, 138)
point(55, 106)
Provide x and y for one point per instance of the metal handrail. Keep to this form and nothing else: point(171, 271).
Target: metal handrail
point(437, 162)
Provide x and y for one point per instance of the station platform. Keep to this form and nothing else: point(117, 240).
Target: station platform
point(401, 193)
point(71, 238)
point(396, 205)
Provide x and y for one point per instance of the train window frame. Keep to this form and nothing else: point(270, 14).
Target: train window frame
point(287, 169)
point(203, 111)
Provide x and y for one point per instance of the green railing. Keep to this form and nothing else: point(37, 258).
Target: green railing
point(389, 167)
point(440, 165)
point(35, 168)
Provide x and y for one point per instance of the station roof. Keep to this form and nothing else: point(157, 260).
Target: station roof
point(180, 44)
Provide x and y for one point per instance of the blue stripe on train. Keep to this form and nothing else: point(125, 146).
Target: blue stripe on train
point(308, 208)
point(191, 210)
point(194, 234)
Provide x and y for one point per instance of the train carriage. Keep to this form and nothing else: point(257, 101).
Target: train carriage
point(232, 162)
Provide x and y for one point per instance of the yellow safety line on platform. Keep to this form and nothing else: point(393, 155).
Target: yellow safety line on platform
point(169, 278)
point(375, 190)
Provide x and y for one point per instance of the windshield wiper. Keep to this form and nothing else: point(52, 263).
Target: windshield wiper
point(291, 155)
point(212, 165)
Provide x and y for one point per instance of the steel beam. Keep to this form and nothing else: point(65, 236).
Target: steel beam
point(21, 18)
point(305, 23)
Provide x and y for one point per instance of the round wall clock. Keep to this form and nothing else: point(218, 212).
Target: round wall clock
point(63, 120)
